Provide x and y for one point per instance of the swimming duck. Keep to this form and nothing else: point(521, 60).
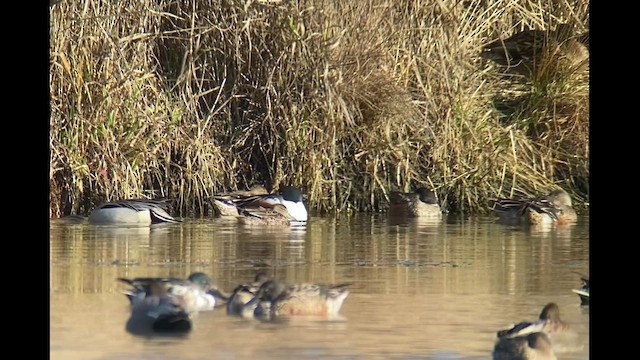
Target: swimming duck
point(289, 196)
point(421, 203)
point(555, 207)
point(549, 322)
point(277, 215)
point(583, 292)
point(244, 293)
point(132, 211)
point(160, 305)
point(206, 284)
point(533, 346)
point(225, 204)
point(196, 293)
point(157, 310)
point(277, 299)
point(524, 51)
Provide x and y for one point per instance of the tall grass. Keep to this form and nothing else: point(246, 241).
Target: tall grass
point(348, 100)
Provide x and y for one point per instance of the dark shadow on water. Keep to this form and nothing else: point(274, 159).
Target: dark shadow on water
point(174, 325)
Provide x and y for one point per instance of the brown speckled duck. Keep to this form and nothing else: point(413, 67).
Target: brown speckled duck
point(525, 51)
point(421, 203)
point(276, 216)
point(244, 293)
point(278, 299)
point(555, 207)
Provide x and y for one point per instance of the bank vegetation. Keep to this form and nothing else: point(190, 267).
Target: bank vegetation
point(346, 99)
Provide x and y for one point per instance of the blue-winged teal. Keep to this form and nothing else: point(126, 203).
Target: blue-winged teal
point(133, 211)
point(289, 196)
point(556, 207)
point(421, 203)
point(549, 322)
point(533, 346)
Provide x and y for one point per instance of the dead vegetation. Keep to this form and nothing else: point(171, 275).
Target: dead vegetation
point(347, 100)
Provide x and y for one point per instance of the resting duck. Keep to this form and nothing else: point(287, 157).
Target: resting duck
point(132, 212)
point(275, 216)
point(244, 293)
point(555, 207)
point(225, 204)
point(525, 51)
point(157, 309)
point(167, 304)
point(421, 203)
point(288, 196)
point(277, 299)
point(196, 293)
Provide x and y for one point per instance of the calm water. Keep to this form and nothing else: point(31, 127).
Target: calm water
point(420, 290)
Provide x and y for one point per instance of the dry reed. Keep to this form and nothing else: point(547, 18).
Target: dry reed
point(347, 100)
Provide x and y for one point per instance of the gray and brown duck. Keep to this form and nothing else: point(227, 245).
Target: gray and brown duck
point(527, 51)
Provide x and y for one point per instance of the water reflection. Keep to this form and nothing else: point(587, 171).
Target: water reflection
point(420, 289)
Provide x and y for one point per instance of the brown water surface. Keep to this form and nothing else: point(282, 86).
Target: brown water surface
point(421, 290)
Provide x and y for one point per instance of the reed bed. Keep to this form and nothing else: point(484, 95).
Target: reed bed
point(346, 99)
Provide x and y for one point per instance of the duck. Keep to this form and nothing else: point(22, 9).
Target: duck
point(420, 203)
point(533, 346)
point(562, 206)
point(196, 293)
point(276, 216)
point(157, 310)
point(583, 292)
point(224, 205)
point(549, 322)
point(211, 290)
point(524, 51)
point(166, 305)
point(243, 294)
point(275, 299)
point(553, 208)
point(132, 212)
point(289, 196)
